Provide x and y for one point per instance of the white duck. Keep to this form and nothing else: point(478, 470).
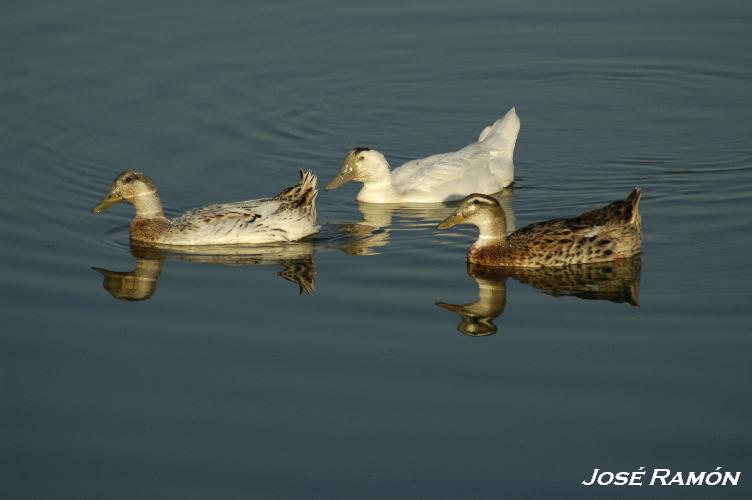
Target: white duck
point(289, 216)
point(484, 166)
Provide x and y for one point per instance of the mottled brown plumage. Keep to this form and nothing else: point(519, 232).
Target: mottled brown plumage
point(617, 281)
point(614, 281)
point(605, 234)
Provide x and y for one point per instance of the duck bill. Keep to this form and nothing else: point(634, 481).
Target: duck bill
point(345, 174)
point(106, 203)
point(449, 307)
point(451, 221)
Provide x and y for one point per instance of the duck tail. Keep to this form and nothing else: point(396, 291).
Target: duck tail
point(303, 273)
point(633, 205)
point(501, 136)
point(308, 181)
point(304, 193)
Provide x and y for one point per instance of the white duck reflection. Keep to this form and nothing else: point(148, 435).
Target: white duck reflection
point(374, 231)
point(617, 281)
point(296, 260)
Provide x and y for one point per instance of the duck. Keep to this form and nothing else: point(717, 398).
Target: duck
point(604, 234)
point(485, 167)
point(286, 217)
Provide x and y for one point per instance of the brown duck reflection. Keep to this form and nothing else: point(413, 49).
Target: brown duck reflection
point(296, 260)
point(617, 281)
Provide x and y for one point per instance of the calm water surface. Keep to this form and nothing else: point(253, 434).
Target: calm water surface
point(326, 370)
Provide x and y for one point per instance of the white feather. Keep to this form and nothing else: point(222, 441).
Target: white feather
point(483, 167)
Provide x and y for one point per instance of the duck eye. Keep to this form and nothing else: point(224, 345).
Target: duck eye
point(127, 179)
point(361, 158)
point(476, 202)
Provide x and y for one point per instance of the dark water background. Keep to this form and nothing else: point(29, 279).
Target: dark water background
point(227, 383)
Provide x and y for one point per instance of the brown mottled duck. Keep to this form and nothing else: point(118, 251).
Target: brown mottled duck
point(604, 234)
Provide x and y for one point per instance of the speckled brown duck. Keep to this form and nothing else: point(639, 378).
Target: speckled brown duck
point(604, 234)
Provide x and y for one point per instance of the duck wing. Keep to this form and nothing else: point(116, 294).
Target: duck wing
point(289, 216)
point(619, 212)
point(448, 176)
point(602, 234)
point(225, 222)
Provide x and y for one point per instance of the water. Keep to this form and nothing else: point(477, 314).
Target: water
point(341, 378)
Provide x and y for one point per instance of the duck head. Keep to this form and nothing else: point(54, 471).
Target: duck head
point(136, 188)
point(139, 284)
point(362, 165)
point(478, 209)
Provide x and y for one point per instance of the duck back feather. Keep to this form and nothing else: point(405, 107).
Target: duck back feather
point(485, 166)
point(288, 216)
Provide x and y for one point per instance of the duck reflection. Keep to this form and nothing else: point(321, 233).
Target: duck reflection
point(374, 231)
point(140, 284)
point(361, 239)
point(617, 281)
point(477, 317)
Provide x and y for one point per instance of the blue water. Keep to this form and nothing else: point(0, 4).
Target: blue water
point(217, 377)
